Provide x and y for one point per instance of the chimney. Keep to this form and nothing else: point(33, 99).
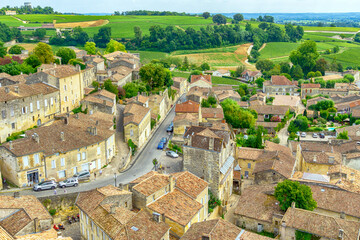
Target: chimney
point(211, 143)
point(16, 89)
point(54, 65)
point(7, 90)
point(344, 158)
point(342, 215)
point(89, 130)
point(113, 209)
point(16, 194)
point(156, 217)
point(172, 183)
point(36, 138)
point(121, 186)
point(104, 102)
point(97, 122)
point(341, 234)
point(293, 205)
point(331, 160)
point(62, 136)
point(36, 225)
point(95, 131)
point(11, 147)
point(205, 236)
point(314, 158)
point(77, 116)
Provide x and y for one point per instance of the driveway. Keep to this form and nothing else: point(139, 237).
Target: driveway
point(142, 165)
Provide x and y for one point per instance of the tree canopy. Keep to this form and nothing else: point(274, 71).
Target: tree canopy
point(219, 19)
point(236, 116)
point(288, 191)
point(103, 37)
point(114, 46)
point(16, 49)
point(206, 15)
point(66, 54)
point(155, 75)
point(90, 48)
point(44, 52)
point(305, 56)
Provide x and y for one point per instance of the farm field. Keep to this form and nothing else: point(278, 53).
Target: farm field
point(215, 80)
point(332, 29)
point(277, 49)
point(147, 56)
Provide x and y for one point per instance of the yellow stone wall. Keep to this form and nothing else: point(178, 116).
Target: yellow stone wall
point(71, 92)
point(244, 164)
point(140, 132)
point(317, 168)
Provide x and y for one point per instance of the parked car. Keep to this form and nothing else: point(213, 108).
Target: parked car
point(170, 127)
point(164, 140)
point(314, 135)
point(161, 145)
point(303, 134)
point(46, 185)
point(322, 135)
point(82, 175)
point(246, 137)
point(70, 182)
point(298, 134)
point(172, 154)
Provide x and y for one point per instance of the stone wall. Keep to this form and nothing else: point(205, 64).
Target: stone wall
point(59, 201)
point(268, 177)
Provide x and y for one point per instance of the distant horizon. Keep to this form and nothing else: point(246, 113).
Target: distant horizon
point(190, 6)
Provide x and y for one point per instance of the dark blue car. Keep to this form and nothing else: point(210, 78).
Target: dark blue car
point(161, 145)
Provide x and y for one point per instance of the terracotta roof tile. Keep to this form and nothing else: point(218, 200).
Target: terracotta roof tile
point(134, 113)
point(176, 206)
point(187, 107)
point(24, 91)
point(59, 71)
point(281, 80)
point(190, 184)
point(321, 157)
point(195, 78)
point(310, 85)
point(15, 222)
point(4, 235)
point(152, 184)
point(270, 109)
point(320, 225)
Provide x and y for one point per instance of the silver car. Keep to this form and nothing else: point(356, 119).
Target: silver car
point(82, 175)
point(46, 185)
point(172, 154)
point(70, 182)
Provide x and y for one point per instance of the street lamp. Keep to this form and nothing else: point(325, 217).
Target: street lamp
point(115, 178)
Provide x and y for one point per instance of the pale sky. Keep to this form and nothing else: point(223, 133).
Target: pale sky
point(194, 6)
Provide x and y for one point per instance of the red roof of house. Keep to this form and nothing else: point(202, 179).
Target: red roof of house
point(187, 107)
point(310, 85)
point(281, 80)
point(195, 78)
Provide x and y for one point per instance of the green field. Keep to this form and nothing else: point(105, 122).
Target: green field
point(147, 56)
point(215, 80)
point(278, 49)
point(333, 29)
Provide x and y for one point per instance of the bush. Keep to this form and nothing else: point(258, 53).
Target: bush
point(153, 123)
point(275, 119)
point(133, 147)
point(213, 202)
point(52, 212)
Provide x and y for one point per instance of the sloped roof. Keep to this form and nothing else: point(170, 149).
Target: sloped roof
point(187, 107)
point(134, 113)
point(24, 91)
point(281, 80)
point(270, 109)
point(206, 78)
point(15, 222)
point(310, 85)
point(212, 113)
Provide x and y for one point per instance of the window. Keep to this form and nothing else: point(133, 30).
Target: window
point(64, 87)
point(53, 164)
point(92, 224)
point(97, 231)
point(37, 105)
point(36, 159)
point(3, 113)
point(23, 110)
point(62, 162)
point(11, 112)
point(51, 101)
point(13, 125)
point(62, 174)
point(87, 220)
point(25, 161)
point(131, 133)
point(79, 156)
point(84, 155)
point(98, 151)
point(45, 102)
point(65, 99)
point(31, 107)
point(75, 170)
point(249, 165)
point(198, 216)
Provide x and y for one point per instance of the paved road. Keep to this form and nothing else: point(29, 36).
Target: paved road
point(142, 165)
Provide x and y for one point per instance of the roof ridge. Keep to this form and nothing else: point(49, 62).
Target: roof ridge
point(217, 222)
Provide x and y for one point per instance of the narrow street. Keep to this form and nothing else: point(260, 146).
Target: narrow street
point(141, 165)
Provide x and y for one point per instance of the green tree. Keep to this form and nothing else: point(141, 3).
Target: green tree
point(236, 116)
point(336, 49)
point(357, 37)
point(66, 54)
point(258, 138)
point(109, 86)
point(305, 56)
point(264, 65)
point(103, 37)
point(138, 35)
point(16, 49)
point(90, 48)
point(288, 191)
point(114, 46)
point(321, 66)
point(33, 61)
point(296, 72)
point(3, 50)
point(239, 70)
point(219, 19)
point(153, 74)
point(40, 33)
point(205, 66)
point(186, 63)
point(206, 15)
point(260, 82)
point(343, 135)
point(44, 52)
point(80, 36)
point(349, 77)
point(238, 17)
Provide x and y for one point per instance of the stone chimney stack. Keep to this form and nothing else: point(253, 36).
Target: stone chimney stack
point(172, 183)
point(293, 204)
point(94, 131)
point(62, 136)
point(205, 236)
point(314, 158)
point(331, 160)
point(36, 138)
point(16, 89)
point(11, 147)
point(7, 90)
point(156, 217)
point(37, 225)
point(341, 234)
point(342, 215)
point(211, 143)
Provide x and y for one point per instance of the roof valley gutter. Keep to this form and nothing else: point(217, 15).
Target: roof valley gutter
point(241, 233)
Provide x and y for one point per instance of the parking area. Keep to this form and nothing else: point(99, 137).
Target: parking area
point(170, 164)
point(309, 137)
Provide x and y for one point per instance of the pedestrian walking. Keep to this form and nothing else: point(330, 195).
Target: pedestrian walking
point(65, 191)
point(100, 172)
point(54, 191)
point(95, 175)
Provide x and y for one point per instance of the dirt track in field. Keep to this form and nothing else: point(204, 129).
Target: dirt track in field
point(82, 24)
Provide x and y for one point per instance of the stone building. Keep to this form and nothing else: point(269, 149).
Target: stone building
point(202, 81)
point(118, 58)
point(24, 106)
point(67, 78)
point(107, 213)
point(179, 199)
point(208, 153)
point(180, 85)
point(320, 225)
point(250, 76)
point(88, 75)
point(189, 107)
point(280, 85)
point(137, 123)
point(197, 94)
point(157, 104)
point(310, 89)
point(21, 215)
point(219, 229)
point(103, 101)
point(75, 143)
point(212, 114)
